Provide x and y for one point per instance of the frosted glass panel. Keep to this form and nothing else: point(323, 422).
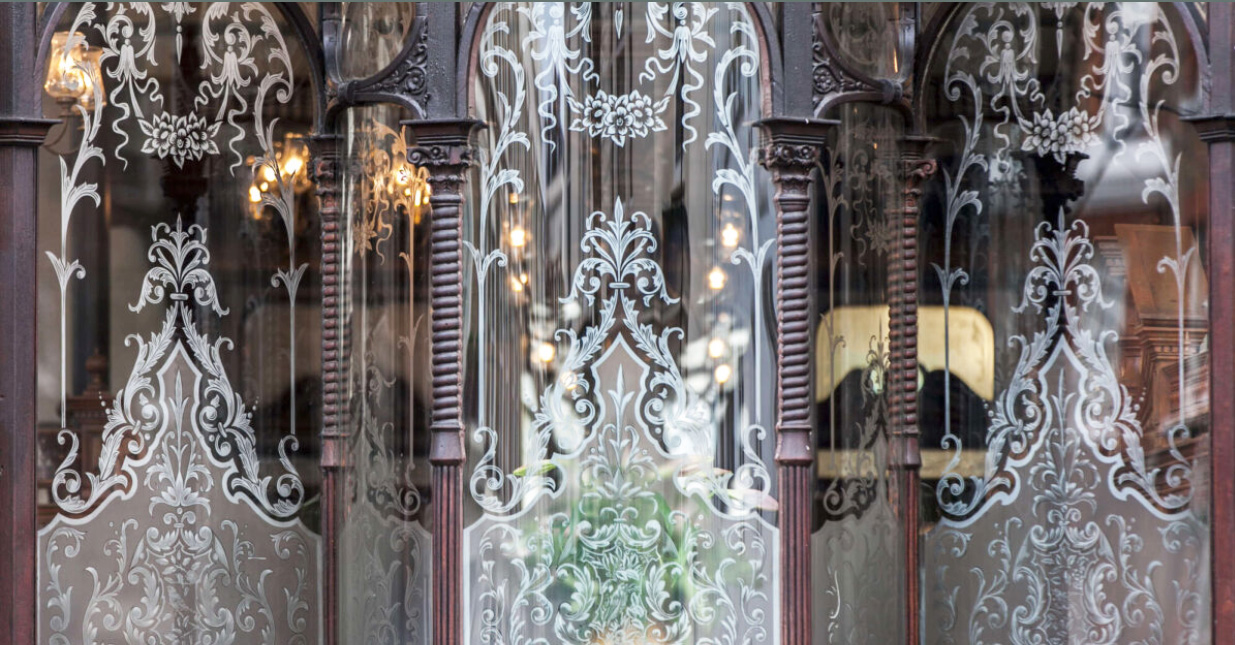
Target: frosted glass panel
point(179, 354)
point(1065, 244)
point(620, 353)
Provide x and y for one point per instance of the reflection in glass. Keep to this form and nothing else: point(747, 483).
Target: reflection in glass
point(620, 305)
point(177, 378)
point(384, 546)
point(1070, 503)
point(856, 550)
point(371, 36)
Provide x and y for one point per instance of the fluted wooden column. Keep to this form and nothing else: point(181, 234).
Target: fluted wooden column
point(443, 147)
point(791, 152)
point(325, 166)
point(905, 459)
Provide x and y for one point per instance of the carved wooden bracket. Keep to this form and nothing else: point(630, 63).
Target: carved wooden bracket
point(405, 81)
point(835, 81)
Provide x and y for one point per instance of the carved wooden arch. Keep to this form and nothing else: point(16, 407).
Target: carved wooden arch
point(834, 81)
point(932, 35)
point(771, 72)
point(302, 28)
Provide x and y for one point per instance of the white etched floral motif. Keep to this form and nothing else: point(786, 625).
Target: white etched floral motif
point(618, 117)
point(179, 137)
point(181, 271)
point(1071, 131)
point(614, 430)
point(128, 60)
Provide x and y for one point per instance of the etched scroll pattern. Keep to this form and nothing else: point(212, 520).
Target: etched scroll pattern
point(187, 529)
point(1071, 533)
point(550, 39)
point(167, 570)
point(649, 562)
point(239, 87)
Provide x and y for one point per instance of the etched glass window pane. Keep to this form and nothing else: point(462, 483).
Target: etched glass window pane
point(1064, 241)
point(384, 546)
point(619, 318)
point(179, 361)
point(856, 547)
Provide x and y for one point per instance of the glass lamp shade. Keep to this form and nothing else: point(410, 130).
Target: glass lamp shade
point(72, 70)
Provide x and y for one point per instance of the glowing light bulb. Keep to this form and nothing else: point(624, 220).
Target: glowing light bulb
point(518, 237)
point(723, 373)
point(523, 278)
point(255, 195)
point(419, 199)
point(268, 174)
point(546, 352)
point(729, 236)
point(265, 186)
point(716, 278)
point(513, 199)
point(407, 192)
point(293, 166)
point(716, 348)
point(515, 285)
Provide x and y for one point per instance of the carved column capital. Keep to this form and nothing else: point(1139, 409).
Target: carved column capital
point(443, 147)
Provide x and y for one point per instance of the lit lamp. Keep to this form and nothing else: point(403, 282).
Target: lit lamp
point(72, 71)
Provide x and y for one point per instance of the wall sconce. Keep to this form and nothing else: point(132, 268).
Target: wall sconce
point(72, 71)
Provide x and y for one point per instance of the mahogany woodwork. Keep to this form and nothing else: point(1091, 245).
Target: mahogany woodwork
point(1218, 130)
point(906, 457)
point(22, 130)
point(444, 149)
point(325, 169)
point(791, 152)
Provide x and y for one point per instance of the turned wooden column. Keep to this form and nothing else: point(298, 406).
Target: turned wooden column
point(443, 147)
point(905, 458)
point(22, 130)
point(325, 167)
point(791, 152)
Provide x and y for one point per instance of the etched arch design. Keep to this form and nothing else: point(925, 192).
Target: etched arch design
point(180, 237)
point(618, 378)
point(1070, 501)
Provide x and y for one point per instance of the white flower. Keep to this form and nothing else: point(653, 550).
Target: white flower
point(1046, 136)
point(1082, 128)
point(179, 137)
point(618, 116)
point(1072, 131)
